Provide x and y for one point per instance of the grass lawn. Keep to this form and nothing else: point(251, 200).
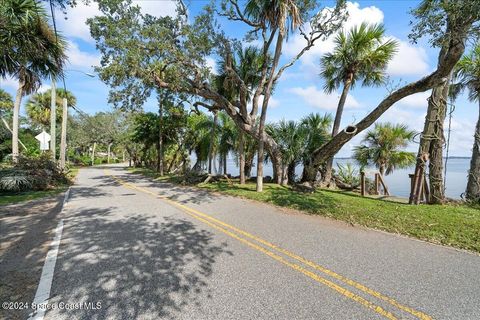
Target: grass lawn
point(10, 198)
point(15, 197)
point(453, 225)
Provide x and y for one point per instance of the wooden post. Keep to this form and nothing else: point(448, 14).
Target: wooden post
point(419, 179)
point(412, 186)
point(426, 189)
point(362, 183)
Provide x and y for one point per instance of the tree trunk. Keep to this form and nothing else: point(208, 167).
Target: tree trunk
point(63, 138)
point(241, 152)
point(123, 156)
point(225, 164)
point(291, 173)
point(435, 165)
point(15, 125)
point(53, 120)
point(309, 173)
point(382, 170)
point(431, 144)
point(263, 114)
point(160, 137)
point(473, 185)
point(93, 153)
point(327, 177)
point(108, 152)
point(212, 142)
point(248, 168)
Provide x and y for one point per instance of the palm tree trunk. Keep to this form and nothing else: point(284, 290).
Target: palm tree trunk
point(212, 142)
point(263, 114)
point(225, 164)
point(473, 185)
point(15, 125)
point(241, 152)
point(108, 152)
point(435, 165)
point(160, 137)
point(291, 173)
point(63, 137)
point(431, 145)
point(93, 153)
point(336, 127)
point(53, 120)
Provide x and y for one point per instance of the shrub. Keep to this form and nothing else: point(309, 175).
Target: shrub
point(348, 174)
point(32, 173)
point(14, 180)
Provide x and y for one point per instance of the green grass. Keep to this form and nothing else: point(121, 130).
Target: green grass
point(453, 224)
point(11, 198)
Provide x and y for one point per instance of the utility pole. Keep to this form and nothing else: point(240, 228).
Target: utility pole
point(53, 120)
point(63, 140)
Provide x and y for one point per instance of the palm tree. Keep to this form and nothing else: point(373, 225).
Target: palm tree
point(318, 128)
point(361, 55)
point(467, 73)
point(281, 17)
point(38, 106)
point(292, 139)
point(382, 146)
point(228, 135)
point(33, 51)
point(247, 64)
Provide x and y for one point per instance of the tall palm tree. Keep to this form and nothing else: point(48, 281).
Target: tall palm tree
point(38, 106)
point(467, 73)
point(274, 16)
point(382, 146)
point(30, 51)
point(360, 55)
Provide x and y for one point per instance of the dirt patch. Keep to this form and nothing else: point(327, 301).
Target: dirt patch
point(26, 230)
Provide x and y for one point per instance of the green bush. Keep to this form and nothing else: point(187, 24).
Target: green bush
point(14, 180)
point(32, 173)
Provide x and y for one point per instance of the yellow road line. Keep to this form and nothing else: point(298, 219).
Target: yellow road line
point(350, 282)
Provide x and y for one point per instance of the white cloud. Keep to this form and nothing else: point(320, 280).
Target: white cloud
point(75, 25)
point(319, 99)
point(417, 100)
point(212, 64)
point(461, 140)
point(409, 60)
point(8, 83)
point(78, 58)
point(273, 103)
point(44, 88)
point(310, 60)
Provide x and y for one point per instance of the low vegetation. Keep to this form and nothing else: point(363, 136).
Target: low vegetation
point(451, 224)
point(33, 178)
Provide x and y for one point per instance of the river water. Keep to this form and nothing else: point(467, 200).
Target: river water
point(398, 182)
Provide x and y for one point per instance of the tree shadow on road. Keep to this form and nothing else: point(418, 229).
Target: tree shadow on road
point(26, 230)
point(175, 192)
point(137, 267)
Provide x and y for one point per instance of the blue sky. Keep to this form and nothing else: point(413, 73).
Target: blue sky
point(300, 90)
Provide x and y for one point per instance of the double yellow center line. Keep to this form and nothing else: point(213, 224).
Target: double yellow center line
point(273, 251)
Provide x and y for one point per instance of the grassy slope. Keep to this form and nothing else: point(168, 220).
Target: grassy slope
point(454, 225)
point(10, 198)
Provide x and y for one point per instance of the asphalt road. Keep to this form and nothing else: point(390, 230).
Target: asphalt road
point(146, 250)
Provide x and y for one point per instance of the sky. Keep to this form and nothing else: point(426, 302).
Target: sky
point(300, 90)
